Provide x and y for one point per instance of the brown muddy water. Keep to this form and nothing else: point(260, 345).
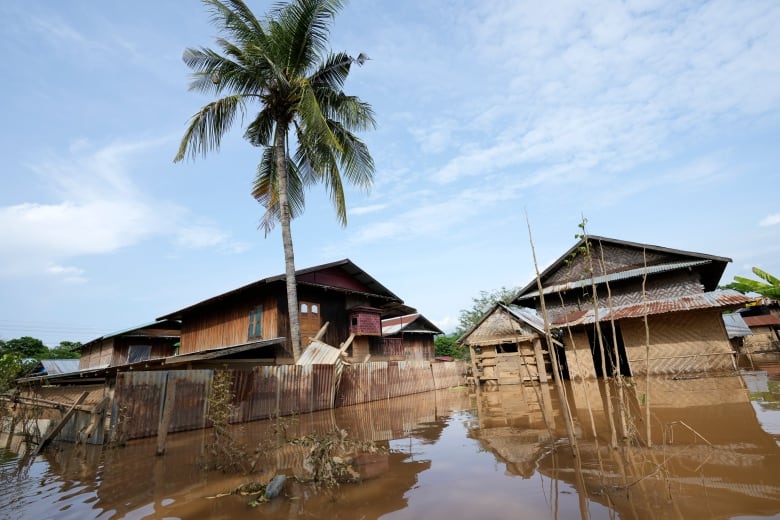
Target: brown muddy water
point(456, 454)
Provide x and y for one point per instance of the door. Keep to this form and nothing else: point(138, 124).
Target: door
point(310, 319)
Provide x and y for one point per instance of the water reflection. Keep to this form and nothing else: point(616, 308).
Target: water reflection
point(709, 457)
point(455, 454)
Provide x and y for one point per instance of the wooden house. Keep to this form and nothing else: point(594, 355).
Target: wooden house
point(764, 324)
point(408, 337)
point(150, 341)
point(611, 285)
point(506, 347)
point(340, 293)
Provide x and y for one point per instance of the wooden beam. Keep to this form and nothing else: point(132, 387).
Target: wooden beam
point(540, 361)
point(165, 418)
point(48, 438)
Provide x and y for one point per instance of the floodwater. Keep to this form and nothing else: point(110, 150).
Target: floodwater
point(453, 454)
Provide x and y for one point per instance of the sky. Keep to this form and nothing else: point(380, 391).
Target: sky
point(658, 122)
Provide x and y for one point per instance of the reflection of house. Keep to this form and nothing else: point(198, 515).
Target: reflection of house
point(675, 289)
point(150, 341)
point(408, 337)
point(339, 293)
point(506, 346)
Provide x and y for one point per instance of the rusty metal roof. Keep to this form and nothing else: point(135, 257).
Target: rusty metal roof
point(709, 300)
point(764, 320)
point(409, 323)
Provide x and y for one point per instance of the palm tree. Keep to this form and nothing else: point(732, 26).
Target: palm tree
point(283, 65)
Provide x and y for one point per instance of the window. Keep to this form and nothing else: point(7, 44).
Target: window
point(136, 353)
point(255, 323)
point(304, 308)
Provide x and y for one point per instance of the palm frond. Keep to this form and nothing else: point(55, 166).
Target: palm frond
point(207, 127)
point(265, 189)
point(260, 131)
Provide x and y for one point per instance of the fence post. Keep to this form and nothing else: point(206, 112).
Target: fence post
point(165, 416)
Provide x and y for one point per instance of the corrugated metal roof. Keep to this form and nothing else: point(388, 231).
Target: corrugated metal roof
point(404, 323)
point(60, 366)
point(319, 353)
point(622, 275)
point(379, 290)
point(735, 325)
point(710, 300)
point(764, 320)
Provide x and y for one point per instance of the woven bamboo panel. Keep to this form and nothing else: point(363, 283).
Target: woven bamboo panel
point(682, 342)
point(578, 356)
point(671, 285)
point(616, 258)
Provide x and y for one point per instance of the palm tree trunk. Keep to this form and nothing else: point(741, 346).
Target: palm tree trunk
point(280, 156)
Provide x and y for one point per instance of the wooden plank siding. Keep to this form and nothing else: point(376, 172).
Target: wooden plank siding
point(228, 324)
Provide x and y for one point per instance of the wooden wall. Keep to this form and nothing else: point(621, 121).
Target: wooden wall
point(97, 355)
point(227, 324)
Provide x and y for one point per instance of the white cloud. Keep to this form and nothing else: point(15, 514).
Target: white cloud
point(770, 220)
point(97, 209)
point(67, 274)
point(364, 210)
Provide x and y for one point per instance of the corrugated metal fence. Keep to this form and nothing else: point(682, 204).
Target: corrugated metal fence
point(267, 391)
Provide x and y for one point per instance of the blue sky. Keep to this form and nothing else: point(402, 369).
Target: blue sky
point(657, 121)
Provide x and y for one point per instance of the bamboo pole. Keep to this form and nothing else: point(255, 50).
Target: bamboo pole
point(567, 418)
point(647, 352)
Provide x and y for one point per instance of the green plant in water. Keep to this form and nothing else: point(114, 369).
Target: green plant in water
point(224, 453)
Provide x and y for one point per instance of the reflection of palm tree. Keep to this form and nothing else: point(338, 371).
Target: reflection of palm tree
point(283, 65)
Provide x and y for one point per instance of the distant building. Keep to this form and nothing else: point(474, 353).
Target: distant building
point(408, 337)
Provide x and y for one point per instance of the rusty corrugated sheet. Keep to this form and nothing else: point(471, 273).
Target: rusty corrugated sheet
point(265, 393)
point(137, 403)
point(710, 300)
point(191, 398)
point(288, 388)
point(765, 320)
point(447, 375)
point(378, 381)
point(323, 386)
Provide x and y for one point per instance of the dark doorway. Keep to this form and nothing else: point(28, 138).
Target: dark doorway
point(609, 351)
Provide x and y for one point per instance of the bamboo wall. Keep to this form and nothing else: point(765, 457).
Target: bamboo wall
point(679, 343)
point(267, 391)
point(579, 358)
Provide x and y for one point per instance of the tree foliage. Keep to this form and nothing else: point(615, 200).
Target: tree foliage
point(769, 288)
point(480, 305)
point(448, 346)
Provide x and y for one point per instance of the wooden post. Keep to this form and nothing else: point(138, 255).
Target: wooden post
point(95, 417)
point(540, 370)
point(47, 439)
point(10, 437)
point(165, 417)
